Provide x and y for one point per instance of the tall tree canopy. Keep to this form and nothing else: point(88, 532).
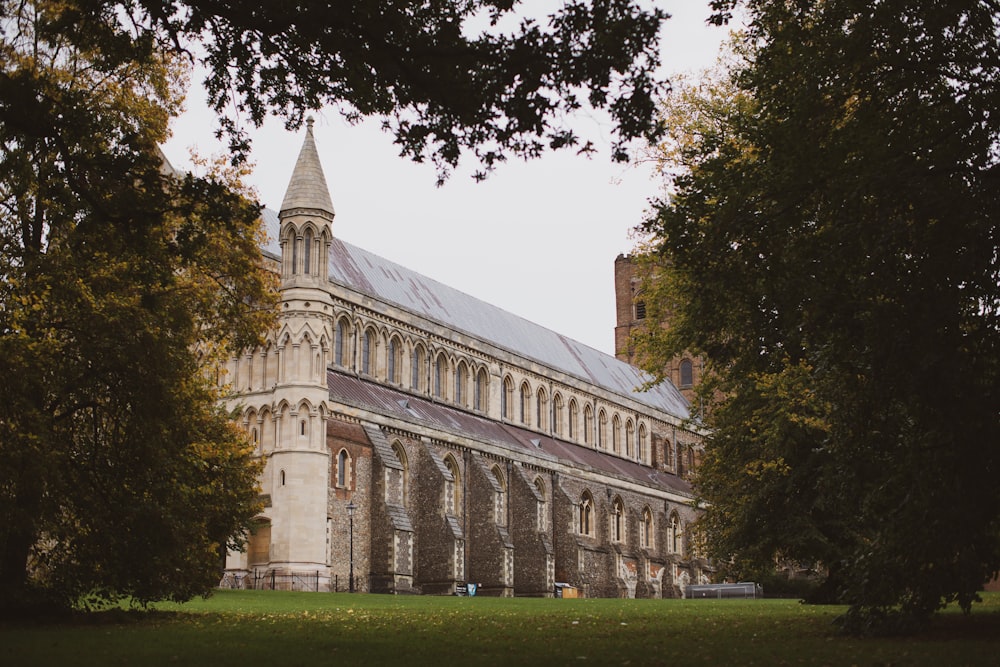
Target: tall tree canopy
point(831, 245)
point(446, 77)
point(119, 474)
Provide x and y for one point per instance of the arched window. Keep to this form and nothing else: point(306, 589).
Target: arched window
point(340, 342)
point(674, 534)
point(540, 508)
point(643, 449)
point(394, 362)
point(646, 529)
point(588, 425)
point(404, 485)
point(602, 430)
point(557, 414)
point(640, 310)
point(618, 520)
point(500, 498)
point(295, 253)
point(585, 518)
point(541, 409)
point(307, 245)
point(687, 373)
point(629, 439)
point(342, 472)
point(461, 382)
point(525, 403)
point(281, 477)
point(506, 397)
point(368, 353)
point(482, 397)
point(616, 430)
point(417, 368)
point(441, 375)
point(287, 250)
point(453, 490)
point(266, 431)
point(574, 416)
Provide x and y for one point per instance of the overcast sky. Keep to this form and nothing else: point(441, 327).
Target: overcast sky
point(537, 238)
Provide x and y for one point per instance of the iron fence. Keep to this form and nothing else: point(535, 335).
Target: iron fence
point(272, 580)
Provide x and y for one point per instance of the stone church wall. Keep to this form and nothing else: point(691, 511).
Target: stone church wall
point(392, 538)
point(532, 544)
point(565, 541)
point(489, 540)
point(435, 546)
point(581, 559)
point(357, 488)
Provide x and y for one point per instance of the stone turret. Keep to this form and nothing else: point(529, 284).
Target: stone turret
point(306, 219)
point(307, 189)
point(299, 466)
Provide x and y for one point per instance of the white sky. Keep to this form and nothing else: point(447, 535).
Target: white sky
point(537, 238)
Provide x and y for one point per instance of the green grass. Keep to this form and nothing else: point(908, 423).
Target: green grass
point(248, 628)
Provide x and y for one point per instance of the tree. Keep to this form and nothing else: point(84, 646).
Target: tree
point(119, 473)
point(446, 77)
point(831, 246)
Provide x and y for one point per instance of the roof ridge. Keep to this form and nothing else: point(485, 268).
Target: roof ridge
point(367, 272)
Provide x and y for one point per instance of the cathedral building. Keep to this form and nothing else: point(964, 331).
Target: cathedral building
point(422, 440)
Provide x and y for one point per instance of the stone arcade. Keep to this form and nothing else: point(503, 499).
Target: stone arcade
point(475, 446)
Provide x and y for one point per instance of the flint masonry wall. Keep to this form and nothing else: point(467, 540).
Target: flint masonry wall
point(530, 532)
point(436, 548)
point(357, 488)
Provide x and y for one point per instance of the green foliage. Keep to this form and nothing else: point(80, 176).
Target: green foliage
point(831, 246)
point(446, 77)
point(119, 475)
point(778, 584)
point(248, 628)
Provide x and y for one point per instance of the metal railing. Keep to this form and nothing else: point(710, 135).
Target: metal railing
point(273, 580)
point(745, 590)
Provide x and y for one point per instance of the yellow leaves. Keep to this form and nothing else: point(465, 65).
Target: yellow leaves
point(793, 389)
point(850, 108)
point(142, 92)
point(698, 113)
point(221, 169)
point(759, 470)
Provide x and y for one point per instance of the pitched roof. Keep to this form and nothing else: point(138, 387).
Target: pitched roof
point(387, 281)
point(400, 405)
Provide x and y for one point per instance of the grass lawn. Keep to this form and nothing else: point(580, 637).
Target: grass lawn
point(278, 629)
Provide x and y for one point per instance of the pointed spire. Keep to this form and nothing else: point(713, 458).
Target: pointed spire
point(307, 188)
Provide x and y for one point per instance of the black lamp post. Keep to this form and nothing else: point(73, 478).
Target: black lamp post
point(350, 515)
